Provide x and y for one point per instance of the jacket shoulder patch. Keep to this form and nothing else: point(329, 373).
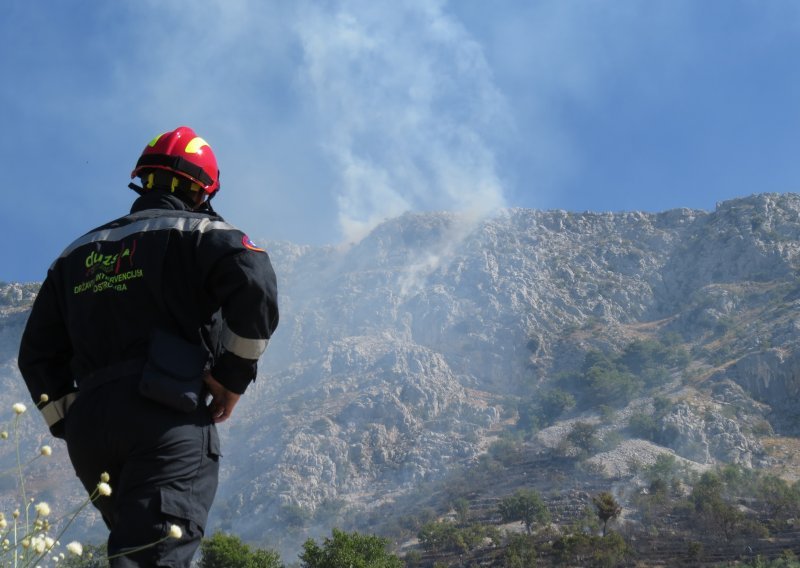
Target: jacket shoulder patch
point(250, 245)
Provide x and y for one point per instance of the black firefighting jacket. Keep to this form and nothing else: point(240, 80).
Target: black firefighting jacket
point(161, 267)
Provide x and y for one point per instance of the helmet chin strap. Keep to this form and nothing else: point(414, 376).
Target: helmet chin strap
point(206, 205)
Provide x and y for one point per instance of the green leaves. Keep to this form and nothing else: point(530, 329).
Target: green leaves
point(526, 506)
point(607, 508)
point(353, 550)
point(228, 551)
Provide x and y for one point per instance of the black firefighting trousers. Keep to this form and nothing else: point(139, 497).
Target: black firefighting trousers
point(163, 467)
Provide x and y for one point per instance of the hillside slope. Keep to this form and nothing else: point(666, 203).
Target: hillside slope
point(405, 355)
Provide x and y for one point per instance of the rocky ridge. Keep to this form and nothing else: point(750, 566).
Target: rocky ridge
point(401, 356)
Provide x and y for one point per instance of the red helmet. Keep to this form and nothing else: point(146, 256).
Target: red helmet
point(184, 153)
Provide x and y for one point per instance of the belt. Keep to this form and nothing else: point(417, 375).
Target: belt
point(112, 373)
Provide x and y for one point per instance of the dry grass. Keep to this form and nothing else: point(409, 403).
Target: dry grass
point(786, 452)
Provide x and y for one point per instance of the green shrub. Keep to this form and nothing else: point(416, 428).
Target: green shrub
point(643, 425)
point(352, 550)
point(583, 436)
point(446, 536)
point(228, 551)
point(520, 552)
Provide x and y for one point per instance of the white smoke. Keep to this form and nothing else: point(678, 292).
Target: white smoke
point(405, 97)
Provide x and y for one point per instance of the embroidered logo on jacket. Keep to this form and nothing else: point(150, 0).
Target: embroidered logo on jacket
point(109, 271)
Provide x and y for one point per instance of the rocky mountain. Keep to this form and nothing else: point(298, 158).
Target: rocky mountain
point(404, 356)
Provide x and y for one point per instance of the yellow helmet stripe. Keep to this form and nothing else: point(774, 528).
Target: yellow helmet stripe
point(195, 144)
point(154, 141)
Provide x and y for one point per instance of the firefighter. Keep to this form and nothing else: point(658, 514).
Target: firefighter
point(144, 334)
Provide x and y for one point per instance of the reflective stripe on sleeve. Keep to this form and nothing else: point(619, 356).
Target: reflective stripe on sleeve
point(55, 411)
point(241, 346)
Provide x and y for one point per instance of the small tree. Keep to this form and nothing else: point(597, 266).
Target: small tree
point(782, 501)
point(584, 437)
point(607, 508)
point(353, 550)
point(228, 551)
point(526, 506)
point(461, 507)
point(607, 382)
point(666, 468)
point(712, 509)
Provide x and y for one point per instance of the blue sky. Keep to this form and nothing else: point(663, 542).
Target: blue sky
point(329, 116)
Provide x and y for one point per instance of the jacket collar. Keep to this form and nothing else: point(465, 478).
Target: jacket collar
point(163, 200)
point(159, 200)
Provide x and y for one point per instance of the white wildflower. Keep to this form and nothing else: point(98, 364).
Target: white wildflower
point(44, 398)
point(104, 489)
point(19, 408)
point(46, 450)
point(75, 548)
point(43, 509)
point(38, 544)
point(175, 531)
point(104, 477)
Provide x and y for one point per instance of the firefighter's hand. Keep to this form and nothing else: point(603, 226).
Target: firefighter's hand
point(222, 400)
